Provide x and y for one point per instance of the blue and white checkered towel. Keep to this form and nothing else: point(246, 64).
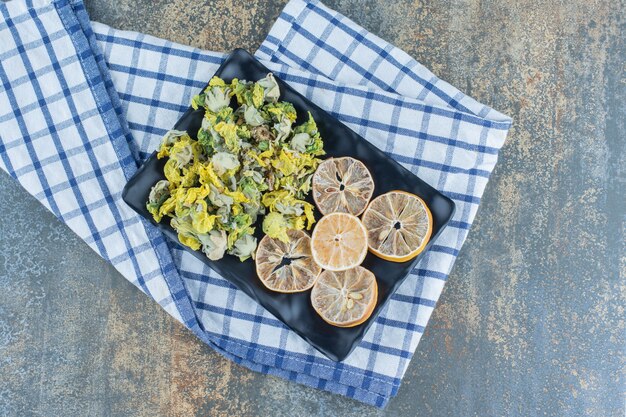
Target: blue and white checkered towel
point(81, 105)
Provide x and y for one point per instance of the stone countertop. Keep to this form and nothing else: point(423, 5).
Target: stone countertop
point(531, 321)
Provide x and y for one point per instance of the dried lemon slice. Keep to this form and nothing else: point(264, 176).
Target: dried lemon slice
point(342, 185)
point(345, 298)
point(399, 225)
point(339, 242)
point(287, 267)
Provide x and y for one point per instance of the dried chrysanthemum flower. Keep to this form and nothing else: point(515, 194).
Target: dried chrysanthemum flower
point(262, 133)
point(244, 162)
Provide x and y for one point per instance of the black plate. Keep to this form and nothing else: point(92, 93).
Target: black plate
point(295, 310)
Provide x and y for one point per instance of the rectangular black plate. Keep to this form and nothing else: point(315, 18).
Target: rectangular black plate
point(295, 310)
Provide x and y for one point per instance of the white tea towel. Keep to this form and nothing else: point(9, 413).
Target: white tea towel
point(82, 105)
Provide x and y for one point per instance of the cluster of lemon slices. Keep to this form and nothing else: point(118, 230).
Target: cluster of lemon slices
point(395, 226)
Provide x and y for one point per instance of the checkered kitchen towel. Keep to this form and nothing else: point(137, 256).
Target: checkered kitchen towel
point(81, 105)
